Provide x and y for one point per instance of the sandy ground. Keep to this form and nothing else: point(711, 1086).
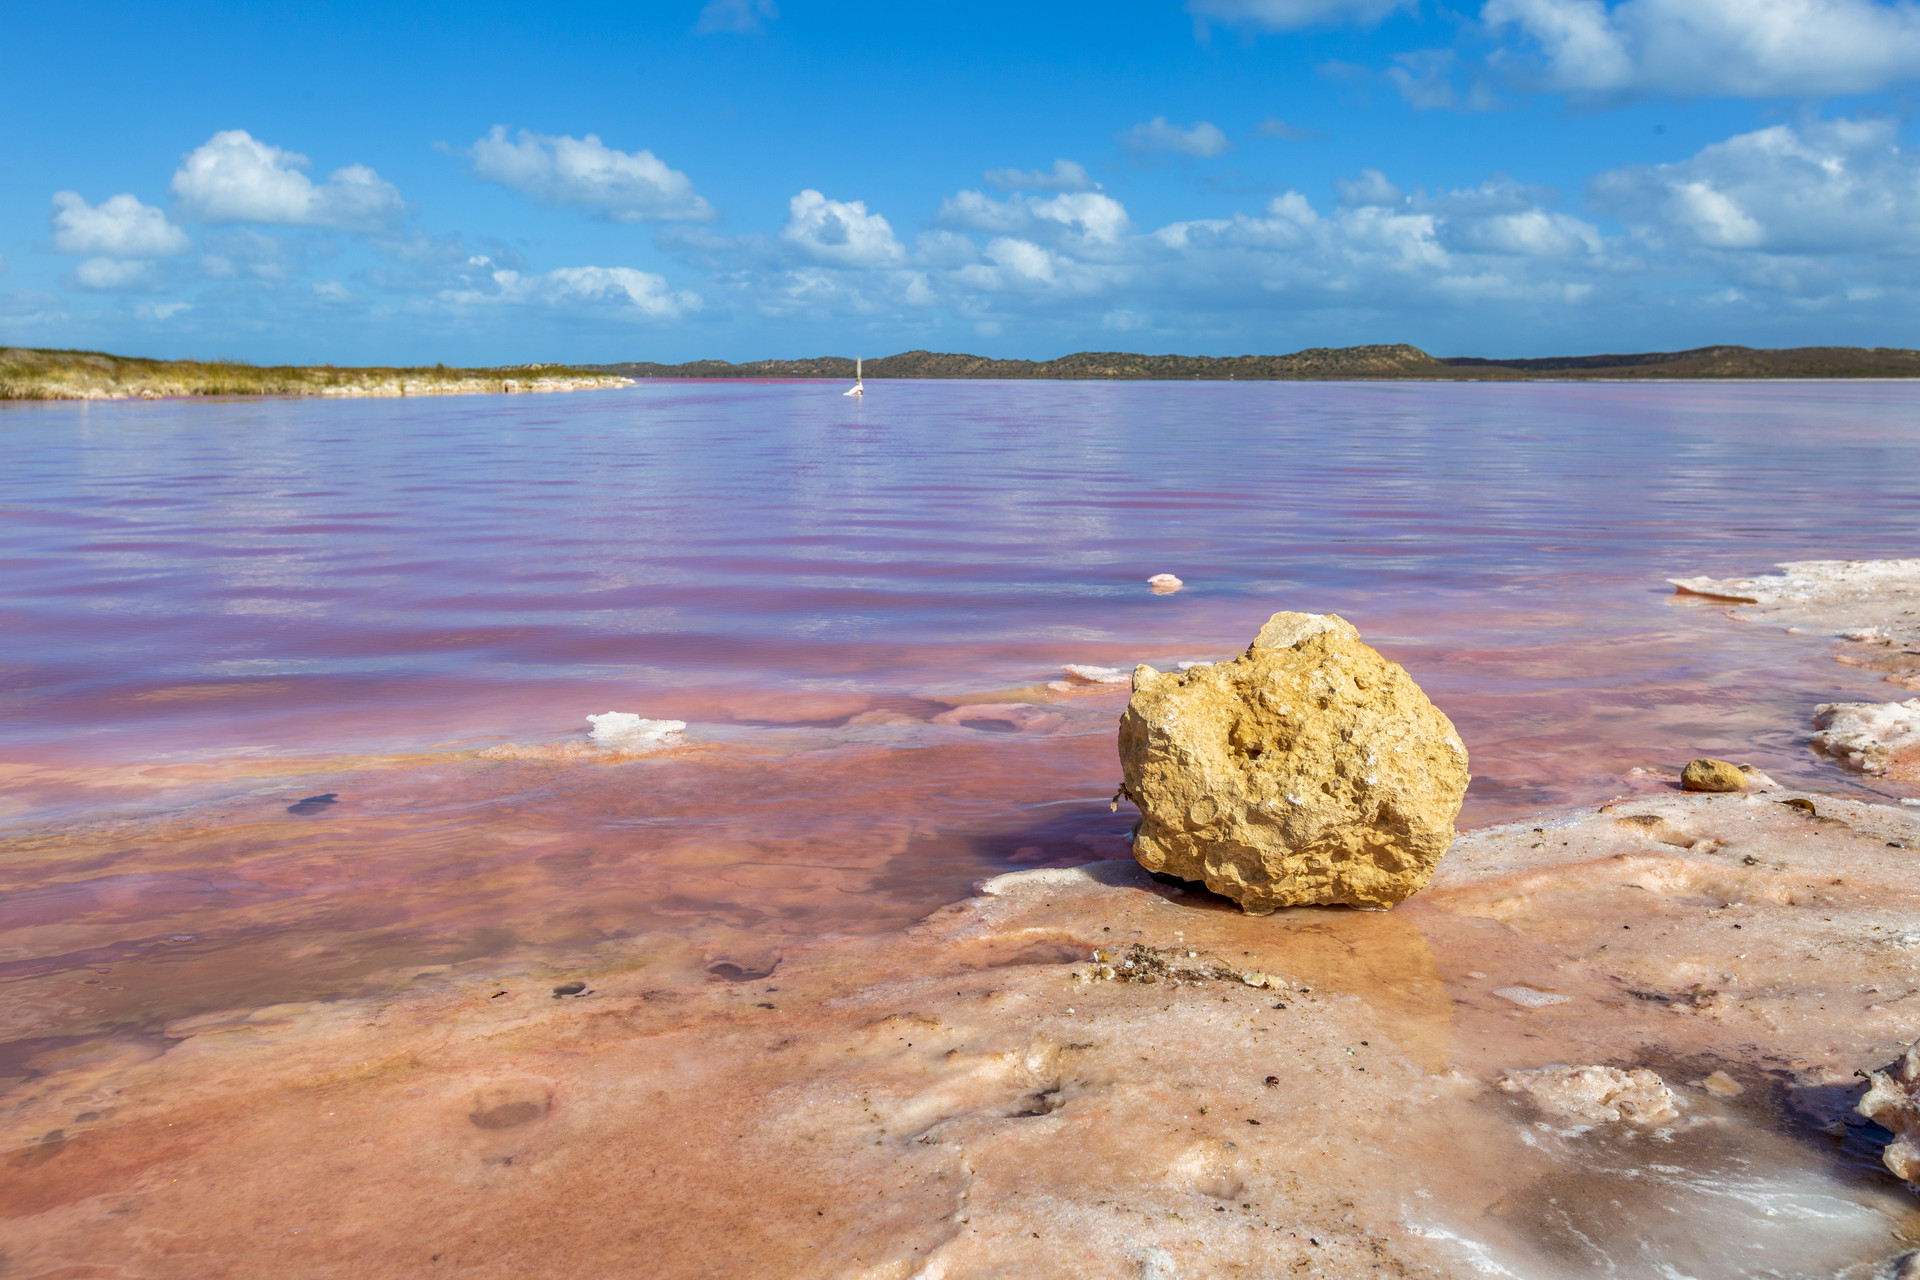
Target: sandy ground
point(975, 1097)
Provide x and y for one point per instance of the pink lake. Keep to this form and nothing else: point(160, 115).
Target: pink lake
point(215, 610)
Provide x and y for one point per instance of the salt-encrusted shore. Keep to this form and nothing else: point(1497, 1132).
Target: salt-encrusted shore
point(1873, 606)
point(82, 375)
point(1074, 1072)
point(378, 388)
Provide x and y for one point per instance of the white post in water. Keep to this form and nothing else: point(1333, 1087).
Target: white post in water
point(858, 391)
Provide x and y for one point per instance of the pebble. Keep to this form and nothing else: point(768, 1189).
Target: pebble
point(1707, 774)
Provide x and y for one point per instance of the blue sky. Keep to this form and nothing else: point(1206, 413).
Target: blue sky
point(485, 183)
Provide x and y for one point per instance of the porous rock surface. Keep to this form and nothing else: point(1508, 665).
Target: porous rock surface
point(1308, 771)
point(1707, 774)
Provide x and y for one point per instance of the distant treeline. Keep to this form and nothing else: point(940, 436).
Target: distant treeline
point(1374, 362)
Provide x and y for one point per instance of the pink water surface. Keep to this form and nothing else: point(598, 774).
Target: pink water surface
point(212, 610)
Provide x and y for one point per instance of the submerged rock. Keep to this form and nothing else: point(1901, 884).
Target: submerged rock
point(1712, 775)
point(1308, 771)
point(1893, 1102)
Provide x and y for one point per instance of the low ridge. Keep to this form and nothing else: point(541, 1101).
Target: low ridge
point(1369, 362)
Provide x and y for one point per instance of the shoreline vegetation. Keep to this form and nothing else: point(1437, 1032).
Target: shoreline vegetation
point(33, 374)
point(1380, 362)
point(46, 374)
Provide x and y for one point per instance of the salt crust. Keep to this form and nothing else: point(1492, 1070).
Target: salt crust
point(614, 736)
point(1598, 1095)
point(965, 1098)
point(1893, 1102)
point(1813, 581)
point(1874, 605)
point(1096, 675)
point(1868, 737)
point(626, 730)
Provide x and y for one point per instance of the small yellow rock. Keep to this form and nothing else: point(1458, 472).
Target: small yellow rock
point(1712, 775)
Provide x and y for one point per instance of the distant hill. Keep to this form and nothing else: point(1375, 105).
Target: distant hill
point(1716, 362)
point(1326, 363)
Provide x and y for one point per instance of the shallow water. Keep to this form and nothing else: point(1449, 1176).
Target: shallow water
point(215, 610)
point(216, 613)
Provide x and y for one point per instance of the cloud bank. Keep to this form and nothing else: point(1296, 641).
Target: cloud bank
point(586, 173)
point(1739, 48)
point(233, 177)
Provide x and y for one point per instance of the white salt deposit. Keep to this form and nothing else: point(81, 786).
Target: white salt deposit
point(1804, 581)
point(1163, 583)
point(626, 731)
point(1599, 1095)
point(1867, 736)
point(1529, 998)
point(1096, 675)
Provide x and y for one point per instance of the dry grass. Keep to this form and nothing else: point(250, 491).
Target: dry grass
point(33, 374)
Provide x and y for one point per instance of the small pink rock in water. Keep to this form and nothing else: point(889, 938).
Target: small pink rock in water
point(1164, 584)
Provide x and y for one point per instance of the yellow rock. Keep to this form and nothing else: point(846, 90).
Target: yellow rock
point(1310, 770)
point(1712, 775)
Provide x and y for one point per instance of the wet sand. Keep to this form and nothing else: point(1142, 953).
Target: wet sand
point(970, 1096)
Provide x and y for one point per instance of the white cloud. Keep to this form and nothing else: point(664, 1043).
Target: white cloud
point(233, 177)
point(618, 292)
point(1202, 140)
point(1274, 127)
point(585, 172)
point(1743, 48)
point(160, 311)
point(1291, 15)
point(332, 291)
point(1078, 254)
point(118, 227)
point(839, 233)
point(114, 275)
point(1371, 187)
point(741, 17)
point(1829, 188)
point(1088, 217)
point(1064, 176)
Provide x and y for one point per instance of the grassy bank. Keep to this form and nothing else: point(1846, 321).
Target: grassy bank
point(33, 374)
